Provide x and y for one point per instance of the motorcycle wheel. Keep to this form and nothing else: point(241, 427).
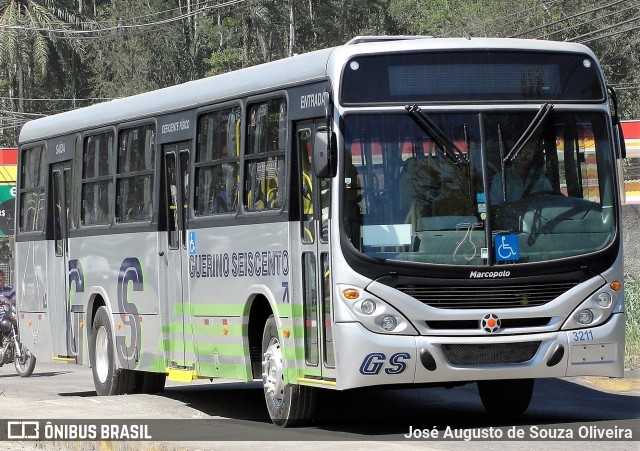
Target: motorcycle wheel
point(26, 363)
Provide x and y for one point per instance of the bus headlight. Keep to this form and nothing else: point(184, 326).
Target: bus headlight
point(388, 323)
point(585, 316)
point(373, 313)
point(604, 300)
point(368, 306)
point(593, 311)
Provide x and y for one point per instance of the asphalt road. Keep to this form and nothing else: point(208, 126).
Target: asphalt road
point(232, 415)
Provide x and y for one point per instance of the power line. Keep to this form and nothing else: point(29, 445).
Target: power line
point(576, 38)
point(16, 113)
point(611, 34)
point(580, 24)
point(88, 99)
point(120, 27)
point(517, 13)
point(573, 16)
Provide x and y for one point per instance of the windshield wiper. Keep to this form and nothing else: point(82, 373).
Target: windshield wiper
point(442, 140)
point(503, 172)
point(533, 127)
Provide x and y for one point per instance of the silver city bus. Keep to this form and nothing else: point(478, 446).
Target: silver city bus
point(391, 211)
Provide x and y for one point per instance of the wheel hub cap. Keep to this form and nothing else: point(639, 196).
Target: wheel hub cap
point(272, 372)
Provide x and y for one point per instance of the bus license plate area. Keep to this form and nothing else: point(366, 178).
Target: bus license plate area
point(593, 353)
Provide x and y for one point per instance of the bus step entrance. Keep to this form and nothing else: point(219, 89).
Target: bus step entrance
point(182, 374)
point(64, 358)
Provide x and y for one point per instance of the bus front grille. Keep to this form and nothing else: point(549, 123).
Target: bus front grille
point(490, 354)
point(487, 297)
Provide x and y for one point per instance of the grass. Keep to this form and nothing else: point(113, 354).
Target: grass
point(632, 327)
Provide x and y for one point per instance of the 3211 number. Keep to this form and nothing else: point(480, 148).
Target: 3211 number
point(582, 335)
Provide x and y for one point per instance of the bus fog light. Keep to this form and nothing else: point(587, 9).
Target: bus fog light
point(585, 316)
point(368, 306)
point(388, 323)
point(604, 300)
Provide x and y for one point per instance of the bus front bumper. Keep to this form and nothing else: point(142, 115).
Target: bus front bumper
point(376, 359)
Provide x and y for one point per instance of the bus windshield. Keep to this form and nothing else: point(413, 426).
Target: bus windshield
point(478, 189)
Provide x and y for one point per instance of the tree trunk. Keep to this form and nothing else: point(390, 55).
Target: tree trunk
point(343, 10)
point(314, 41)
point(74, 77)
point(292, 29)
point(246, 37)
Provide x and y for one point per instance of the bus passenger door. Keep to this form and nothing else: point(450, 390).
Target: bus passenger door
point(317, 309)
point(175, 302)
point(64, 344)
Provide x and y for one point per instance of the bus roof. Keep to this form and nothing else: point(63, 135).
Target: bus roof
point(299, 69)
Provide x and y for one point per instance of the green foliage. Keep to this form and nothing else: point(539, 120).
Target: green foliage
point(632, 326)
point(224, 60)
point(139, 46)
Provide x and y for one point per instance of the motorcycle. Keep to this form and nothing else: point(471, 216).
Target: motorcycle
point(11, 350)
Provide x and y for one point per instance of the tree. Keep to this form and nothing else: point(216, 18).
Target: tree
point(27, 41)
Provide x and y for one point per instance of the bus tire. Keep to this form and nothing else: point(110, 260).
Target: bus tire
point(288, 405)
point(107, 379)
point(506, 397)
point(149, 383)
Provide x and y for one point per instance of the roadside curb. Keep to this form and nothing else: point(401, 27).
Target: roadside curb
point(628, 385)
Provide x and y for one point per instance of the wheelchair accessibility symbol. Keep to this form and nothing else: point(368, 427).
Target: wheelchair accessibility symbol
point(506, 247)
point(192, 243)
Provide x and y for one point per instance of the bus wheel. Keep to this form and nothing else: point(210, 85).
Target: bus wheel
point(149, 383)
point(288, 405)
point(107, 379)
point(506, 397)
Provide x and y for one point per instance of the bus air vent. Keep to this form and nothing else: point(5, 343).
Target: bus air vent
point(487, 297)
point(490, 354)
point(507, 323)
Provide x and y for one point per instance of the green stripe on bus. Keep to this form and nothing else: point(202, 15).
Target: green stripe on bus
point(207, 349)
point(157, 366)
point(178, 345)
point(208, 309)
point(226, 349)
point(290, 310)
point(312, 372)
point(293, 353)
point(228, 370)
point(204, 330)
point(284, 310)
point(233, 330)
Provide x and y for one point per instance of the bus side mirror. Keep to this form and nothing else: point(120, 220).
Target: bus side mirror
point(324, 153)
point(617, 127)
point(620, 138)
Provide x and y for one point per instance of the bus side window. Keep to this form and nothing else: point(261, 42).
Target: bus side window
point(304, 149)
point(217, 167)
point(264, 160)
point(32, 188)
point(97, 179)
point(134, 197)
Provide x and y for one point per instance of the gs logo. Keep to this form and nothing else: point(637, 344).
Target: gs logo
point(374, 362)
